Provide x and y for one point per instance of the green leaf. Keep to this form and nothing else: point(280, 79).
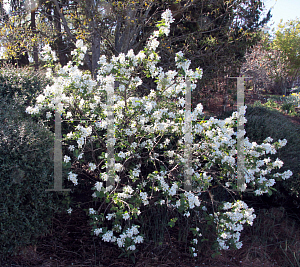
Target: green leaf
point(132, 258)
point(172, 222)
point(270, 192)
point(215, 254)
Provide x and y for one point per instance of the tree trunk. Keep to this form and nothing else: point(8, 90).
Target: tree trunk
point(95, 53)
point(35, 48)
point(59, 41)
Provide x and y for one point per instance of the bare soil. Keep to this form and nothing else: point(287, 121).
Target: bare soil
point(215, 105)
point(71, 244)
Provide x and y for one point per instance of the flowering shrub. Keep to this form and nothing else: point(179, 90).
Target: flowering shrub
point(231, 223)
point(149, 144)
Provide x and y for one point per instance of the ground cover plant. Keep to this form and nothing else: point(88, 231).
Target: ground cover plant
point(150, 161)
point(286, 104)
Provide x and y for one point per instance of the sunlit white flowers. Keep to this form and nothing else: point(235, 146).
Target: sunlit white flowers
point(73, 178)
point(92, 166)
point(67, 159)
point(149, 135)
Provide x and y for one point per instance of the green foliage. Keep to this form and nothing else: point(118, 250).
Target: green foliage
point(286, 103)
point(257, 104)
point(290, 102)
point(288, 107)
point(271, 103)
point(23, 82)
point(26, 170)
point(287, 40)
point(263, 122)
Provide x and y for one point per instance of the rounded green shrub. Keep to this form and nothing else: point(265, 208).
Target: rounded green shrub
point(22, 82)
point(26, 171)
point(263, 122)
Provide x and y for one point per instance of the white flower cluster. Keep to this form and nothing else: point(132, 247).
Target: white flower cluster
point(164, 186)
point(167, 17)
point(67, 159)
point(230, 223)
point(72, 77)
point(221, 142)
point(92, 211)
point(122, 240)
point(173, 189)
point(47, 54)
point(194, 242)
point(99, 186)
point(181, 62)
point(192, 200)
point(80, 51)
point(73, 178)
point(285, 175)
point(136, 171)
point(144, 198)
point(92, 166)
point(83, 132)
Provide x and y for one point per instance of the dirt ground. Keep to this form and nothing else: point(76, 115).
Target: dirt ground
point(71, 244)
point(215, 105)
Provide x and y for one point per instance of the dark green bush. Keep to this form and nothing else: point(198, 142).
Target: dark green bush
point(26, 171)
point(262, 123)
point(23, 82)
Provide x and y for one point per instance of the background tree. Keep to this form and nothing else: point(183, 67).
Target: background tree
point(275, 61)
point(215, 34)
point(23, 31)
point(266, 65)
point(287, 41)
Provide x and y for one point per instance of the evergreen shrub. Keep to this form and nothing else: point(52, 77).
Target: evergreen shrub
point(23, 82)
point(26, 171)
point(263, 122)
